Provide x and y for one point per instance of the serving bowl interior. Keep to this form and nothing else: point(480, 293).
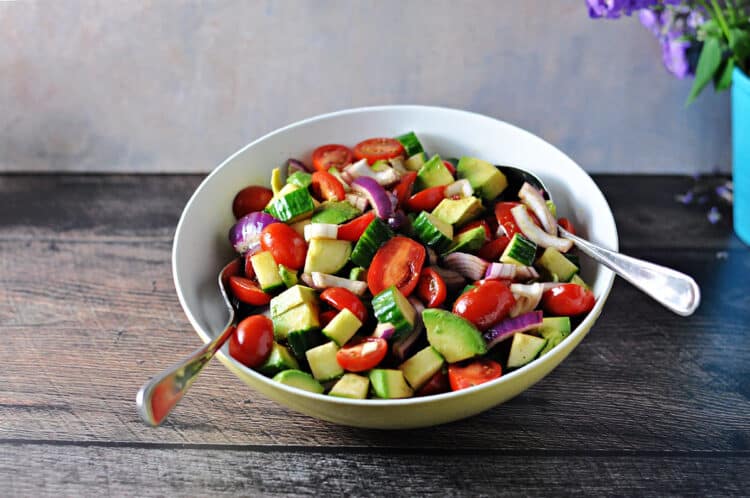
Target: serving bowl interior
point(201, 247)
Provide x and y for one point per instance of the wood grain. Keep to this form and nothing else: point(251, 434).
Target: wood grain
point(74, 470)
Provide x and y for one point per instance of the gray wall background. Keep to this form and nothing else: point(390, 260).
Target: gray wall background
point(176, 86)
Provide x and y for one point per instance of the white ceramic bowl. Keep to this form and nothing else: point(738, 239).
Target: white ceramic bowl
point(201, 247)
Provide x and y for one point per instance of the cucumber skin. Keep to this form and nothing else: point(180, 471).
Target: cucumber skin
point(411, 143)
point(375, 235)
point(386, 310)
point(429, 234)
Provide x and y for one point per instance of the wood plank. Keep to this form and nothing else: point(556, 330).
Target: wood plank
point(84, 323)
point(85, 206)
point(35, 470)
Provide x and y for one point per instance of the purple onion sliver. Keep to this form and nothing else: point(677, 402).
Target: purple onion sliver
point(375, 194)
point(500, 271)
point(299, 164)
point(468, 265)
point(384, 331)
point(245, 233)
point(510, 326)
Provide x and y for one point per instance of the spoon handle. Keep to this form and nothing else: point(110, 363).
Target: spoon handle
point(162, 392)
point(676, 291)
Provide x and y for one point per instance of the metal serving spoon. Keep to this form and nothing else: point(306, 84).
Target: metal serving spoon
point(674, 290)
point(161, 393)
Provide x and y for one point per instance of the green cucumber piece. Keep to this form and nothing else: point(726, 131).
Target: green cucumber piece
point(554, 329)
point(470, 241)
point(266, 271)
point(335, 213)
point(327, 255)
point(358, 273)
point(342, 327)
point(573, 258)
point(520, 251)
point(300, 179)
point(291, 298)
point(288, 276)
point(323, 363)
point(453, 337)
point(292, 206)
point(300, 380)
point(375, 235)
point(279, 359)
point(579, 281)
point(421, 367)
point(411, 143)
point(390, 306)
point(433, 173)
point(380, 165)
point(351, 386)
point(300, 341)
point(433, 231)
point(389, 384)
point(524, 349)
point(556, 267)
point(415, 162)
point(298, 319)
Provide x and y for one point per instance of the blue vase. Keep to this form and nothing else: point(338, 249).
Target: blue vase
point(741, 153)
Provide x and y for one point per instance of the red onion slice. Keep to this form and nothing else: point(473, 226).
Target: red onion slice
point(375, 194)
point(323, 281)
point(508, 327)
point(533, 198)
point(536, 234)
point(245, 233)
point(298, 165)
point(500, 271)
point(527, 297)
point(384, 331)
point(468, 265)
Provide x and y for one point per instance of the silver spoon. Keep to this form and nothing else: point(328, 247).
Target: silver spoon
point(674, 290)
point(161, 393)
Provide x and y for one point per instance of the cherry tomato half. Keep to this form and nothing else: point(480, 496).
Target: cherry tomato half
point(362, 355)
point(326, 187)
point(568, 300)
point(398, 262)
point(431, 288)
point(330, 156)
point(251, 343)
point(375, 149)
point(247, 292)
point(250, 199)
point(287, 247)
point(493, 249)
point(437, 384)
point(426, 200)
point(485, 305)
point(505, 217)
point(567, 225)
point(353, 230)
point(474, 373)
point(405, 187)
point(340, 298)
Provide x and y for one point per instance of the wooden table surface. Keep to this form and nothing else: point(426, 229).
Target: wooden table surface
point(649, 403)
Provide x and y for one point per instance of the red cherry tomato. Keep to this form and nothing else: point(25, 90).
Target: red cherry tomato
point(493, 249)
point(326, 187)
point(249, 270)
point(405, 187)
point(375, 149)
point(431, 288)
point(567, 225)
point(287, 246)
point(330, 156)
point(485, 305)
point(568, 300)
point(251, 343)
point(437, 384)
point(326, 317)
point(247, 292)
point(475, 373)
point(362, 355)
point(353, 230)
point(250, 199)
point(398, 262)
point(505, 217)
point(450, 168)
point(340, 298)
point(478, 223)
point(426, 200)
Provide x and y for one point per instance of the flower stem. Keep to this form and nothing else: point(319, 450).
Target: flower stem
point(721, 20)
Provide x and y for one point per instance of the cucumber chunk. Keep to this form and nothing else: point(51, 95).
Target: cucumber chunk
point(415, 162)
point(327, 256)
point(556, 267)
point(266, 271)
point(322, 361)
point(279, 359)
point(390, 306)
point(411, 143)
point(300, 179)
point(389, 384)
point(433, 173)
point(291, 206)
point(351, 386)
point(433, 232)
point(520, 251)
point(288, 276)
point(300, 380)
point(375, 235)
point(421, 367)
point(343, 327)
point(524, 349)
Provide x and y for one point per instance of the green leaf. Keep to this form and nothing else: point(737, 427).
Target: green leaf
point(723, 77)
point(740, 44)
point(708, 63)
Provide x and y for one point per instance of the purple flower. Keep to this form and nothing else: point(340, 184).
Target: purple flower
point(612, 9)
point(651, 20)
point(674, 54)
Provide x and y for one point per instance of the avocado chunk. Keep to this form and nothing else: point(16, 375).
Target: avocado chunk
point(322, 361)
point(327, 255)
point(453, 337)
point(335, 213)
point(485, 179)
point(389, 384)
point(291, 298)
point(433, 173)
point(279, 359)
point(524, 349)
point(415, 162)
point(421, 367)
point(458, 211)
point(300, 380)
point(470, 241)
point(351, 386)
point(554, 329)
point(343, 327)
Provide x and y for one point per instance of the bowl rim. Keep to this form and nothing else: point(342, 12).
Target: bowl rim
point(234, 366)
